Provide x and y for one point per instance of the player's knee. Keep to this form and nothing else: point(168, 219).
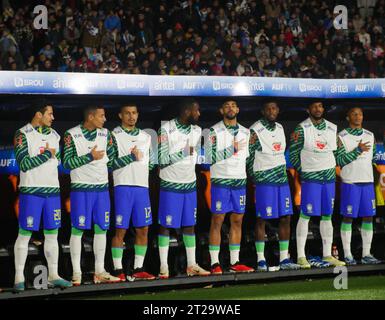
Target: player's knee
point(217, 220)
point(285, 220)
point(347, 220)
point(189, 230)
point(76, 232)
point(236, 221)
point(260, 222)
point(119, 234)
point(99, 230)
point(24, 232)
point(141, 232)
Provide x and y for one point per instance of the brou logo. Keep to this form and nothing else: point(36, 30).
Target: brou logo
point(341, 20)
point(41, 20)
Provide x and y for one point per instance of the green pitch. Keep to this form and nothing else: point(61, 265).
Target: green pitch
point(368, 288)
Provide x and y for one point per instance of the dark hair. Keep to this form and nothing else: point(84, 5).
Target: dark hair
point(268, 101)
point(312, 101)
point(352, 108)
point(129, 104)
point(90, 110)
point(223, 101)
point(185, 104)
point(40, 105)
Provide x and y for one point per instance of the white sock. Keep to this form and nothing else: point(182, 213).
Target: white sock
point(260, 256)
point(138, 261)
point(301, 235)
point(21, 253)
point(117, 263)
point(346, 237)
point(51, 252)
point(190, 253)
point(284, 254)
point(100, 242)
point(367, 236)
point(163, 255)
point(214, 256)
point(76, 251)
point(234, 256)
point(326, 230)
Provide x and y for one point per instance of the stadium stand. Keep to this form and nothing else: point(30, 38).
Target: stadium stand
point(233, 37)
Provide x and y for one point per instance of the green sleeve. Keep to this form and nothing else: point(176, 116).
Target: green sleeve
point(152, 162)
point(115, 161)
point(295, 147)
point(165, 159)
point(23, 159)
point(343, 158)
point(215, 155)
point(253, 146)
point(374, 151)
point(70, 159)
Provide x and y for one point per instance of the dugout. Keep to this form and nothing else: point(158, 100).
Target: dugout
point(156, 101)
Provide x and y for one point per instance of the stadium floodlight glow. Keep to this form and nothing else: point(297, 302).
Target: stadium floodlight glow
point(79, 85)
point(241, 89)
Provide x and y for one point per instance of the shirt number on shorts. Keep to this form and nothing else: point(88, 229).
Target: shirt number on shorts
point(287, 202)
point(242, 200)
point(147, 212)
point(373, 204)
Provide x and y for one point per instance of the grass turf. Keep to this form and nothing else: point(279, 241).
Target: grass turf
point(359, 288)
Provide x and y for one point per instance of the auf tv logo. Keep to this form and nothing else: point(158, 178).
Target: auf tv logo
point(41, 20)
point(340, 21)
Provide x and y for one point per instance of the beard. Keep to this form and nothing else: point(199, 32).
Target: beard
point(317, 117)
point(193, 121)
point(230, 117)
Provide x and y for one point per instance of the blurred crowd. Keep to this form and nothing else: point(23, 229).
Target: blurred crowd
point(274, 38)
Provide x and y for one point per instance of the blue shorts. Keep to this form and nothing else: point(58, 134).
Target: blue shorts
point(177, 209)
point(90, 207)
point(31, 207)
point(317, 198)
point(131, 201)
point(273, 201)
point(358, 200)
point(224, 200)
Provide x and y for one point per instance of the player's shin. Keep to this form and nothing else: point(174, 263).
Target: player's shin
point(51, 252)
point(367, 236)
point(163, 244)
point(189, 242)
point(301, 234)
point(76, 249)
point(346, 237)
point(21, 253)
point(100, 242)
point(326, 230)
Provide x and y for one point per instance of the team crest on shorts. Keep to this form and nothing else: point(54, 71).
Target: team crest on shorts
point(82, 221)
point(169, 220)
point(269, 211)
point(218, 205)
point(29, 222)
point(349, 209)
point(119, 220)
point(309, 208)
